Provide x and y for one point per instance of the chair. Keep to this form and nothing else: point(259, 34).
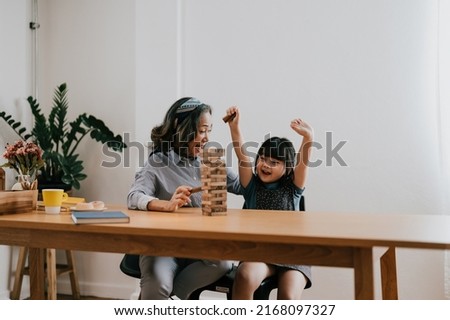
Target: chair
point(59, 269)
point(22, 270)
point(225, 284)
point(130, 266)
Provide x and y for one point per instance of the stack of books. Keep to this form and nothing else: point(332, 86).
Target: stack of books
point(86, 217)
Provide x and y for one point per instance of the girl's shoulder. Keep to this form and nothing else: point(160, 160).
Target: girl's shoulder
point(290, 184)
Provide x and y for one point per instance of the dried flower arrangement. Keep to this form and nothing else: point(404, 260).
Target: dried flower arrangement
point(26, 159)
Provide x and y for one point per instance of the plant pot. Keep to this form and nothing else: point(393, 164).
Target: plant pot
point(44, 184)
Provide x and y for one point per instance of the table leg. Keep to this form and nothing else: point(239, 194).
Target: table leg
point(51, 274)
point(37, 273)
point(20, 270)
point(388, 266)
point(363, 268)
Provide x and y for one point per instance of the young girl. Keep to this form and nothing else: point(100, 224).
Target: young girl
point(277, 183)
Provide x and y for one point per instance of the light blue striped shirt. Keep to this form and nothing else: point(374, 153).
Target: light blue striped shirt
point(163, 173)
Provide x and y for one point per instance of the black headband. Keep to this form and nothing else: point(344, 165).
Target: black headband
point(186, 108)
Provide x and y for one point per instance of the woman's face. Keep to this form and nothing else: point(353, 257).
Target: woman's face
point(202, 136)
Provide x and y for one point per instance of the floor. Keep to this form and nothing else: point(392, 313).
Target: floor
point(207, 295)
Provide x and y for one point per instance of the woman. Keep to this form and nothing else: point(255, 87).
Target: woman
point(164, 184)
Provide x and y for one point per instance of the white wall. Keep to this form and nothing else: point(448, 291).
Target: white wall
point(15, 85)
point(90, 45)
point(363, 70)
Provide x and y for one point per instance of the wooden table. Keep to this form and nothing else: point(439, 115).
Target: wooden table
point(315, 238)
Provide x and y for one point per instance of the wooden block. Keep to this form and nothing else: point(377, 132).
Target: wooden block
point(218, 176)
point(219, 208)
point(218, 183)
point(218, 213)
point(219, 199)
point(210, 212)
point(218, 170)
point(214, 183)
point(196, 189)
point(229, 117)
point(213, 164)
point(211, 152)
point(218, 191)
point(212, 158)
point(18, 201)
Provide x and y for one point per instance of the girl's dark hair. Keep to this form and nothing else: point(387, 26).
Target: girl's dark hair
point(177, 129)
point(281, 149)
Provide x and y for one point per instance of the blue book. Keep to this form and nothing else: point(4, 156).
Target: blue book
point(100, 217)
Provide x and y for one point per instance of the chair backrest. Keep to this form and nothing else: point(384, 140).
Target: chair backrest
point(130, 265)
point(302, 204)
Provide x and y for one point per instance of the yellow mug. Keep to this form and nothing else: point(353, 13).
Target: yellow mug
point(53, 198)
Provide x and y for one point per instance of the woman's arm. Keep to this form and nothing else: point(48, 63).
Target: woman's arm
point(244, 161)
point(180, 198)
point(304, 153)
point(143, 194)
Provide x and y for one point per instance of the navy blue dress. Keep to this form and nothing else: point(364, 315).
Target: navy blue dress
point(280, 195)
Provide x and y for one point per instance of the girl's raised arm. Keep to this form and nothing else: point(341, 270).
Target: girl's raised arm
point(304, 153)
point(245, 164)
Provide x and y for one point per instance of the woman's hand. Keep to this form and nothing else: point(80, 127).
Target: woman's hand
point(180, 198)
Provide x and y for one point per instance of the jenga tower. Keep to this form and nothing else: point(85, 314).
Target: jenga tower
point(214, 183)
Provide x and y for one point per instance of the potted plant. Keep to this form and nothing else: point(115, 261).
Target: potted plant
point(59, 139)
point(26, 159)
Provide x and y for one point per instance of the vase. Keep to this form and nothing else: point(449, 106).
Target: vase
point(26, 183)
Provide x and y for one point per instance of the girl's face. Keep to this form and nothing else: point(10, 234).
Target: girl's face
point(269, 169)
point(202, 136)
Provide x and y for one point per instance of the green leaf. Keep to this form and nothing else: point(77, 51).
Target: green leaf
point(15, 125)
point(80, 176)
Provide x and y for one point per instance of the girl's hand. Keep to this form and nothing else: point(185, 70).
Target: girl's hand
point(302, 128)
point(180, 198)
point(233, 112)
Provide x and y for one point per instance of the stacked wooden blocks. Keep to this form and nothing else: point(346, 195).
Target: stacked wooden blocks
point(214, 182)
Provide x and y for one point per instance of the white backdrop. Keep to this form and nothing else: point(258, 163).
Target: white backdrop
point(365, 71)
point(444, 111)
point(15, 84)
